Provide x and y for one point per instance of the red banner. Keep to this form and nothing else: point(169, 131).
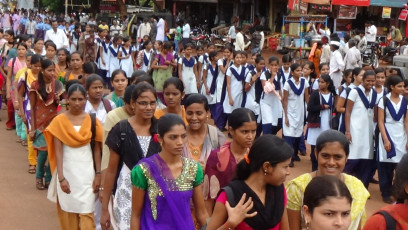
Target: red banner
point(351, 2)
point(318, 2)
point(403, 15)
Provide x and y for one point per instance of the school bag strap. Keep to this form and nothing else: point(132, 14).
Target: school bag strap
point(390, 222)
point(66, 77)
point(213, 133)
point(230, 195)
point(107, 105)
point(93, 131)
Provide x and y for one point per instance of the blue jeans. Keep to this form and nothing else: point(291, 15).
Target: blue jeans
point(176, 43)
point(385, 176)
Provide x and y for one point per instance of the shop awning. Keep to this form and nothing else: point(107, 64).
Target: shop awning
point(389, 3)
point(317, 2)
point(205, 1)
point(352, 2)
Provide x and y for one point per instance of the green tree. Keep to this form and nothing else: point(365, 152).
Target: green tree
point(56, 6)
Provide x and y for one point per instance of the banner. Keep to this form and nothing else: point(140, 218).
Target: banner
point(347, 12)
point(403, 15)
point(352, 2)
point(386, 13)
point(318, 2)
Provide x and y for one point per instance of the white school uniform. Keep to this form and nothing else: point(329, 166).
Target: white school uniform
point(105, 56)
point(220, 82)
point(361, 127)
point(189, 79)
point(396, 131)
point(295, 110)
point(236, 90)
point(250, 95)
point(146, 56)
point(127, 64)
point(343, 94)
point(313, 133)
point(113, 60)
point(271, 106)
point(211, 97)
point(204, 61)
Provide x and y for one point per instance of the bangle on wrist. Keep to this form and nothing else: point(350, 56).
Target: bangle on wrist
point(226, 226)
point(98, 172)
point(62, 180)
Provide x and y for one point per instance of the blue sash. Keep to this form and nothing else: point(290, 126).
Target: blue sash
point(124, 50)
point(396, 116)
point(214, 73)
point(145, 60)
point(188, 63)
point(296, 90)
point(240, 76)
point(367, 104)
point(250, 67)
point(330, 102)
point(115, 53)
point(205, 59)
point(105, 49)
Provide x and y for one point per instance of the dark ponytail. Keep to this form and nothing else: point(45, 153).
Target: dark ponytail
point(267, 148)
point(328, 80)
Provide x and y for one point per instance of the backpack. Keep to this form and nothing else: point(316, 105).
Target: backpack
point(390, 222)
point(258, 85)
point(107, 105)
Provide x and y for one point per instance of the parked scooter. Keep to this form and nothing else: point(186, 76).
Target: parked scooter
point(370, 57)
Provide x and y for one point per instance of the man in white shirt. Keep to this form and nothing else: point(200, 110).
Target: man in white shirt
point(239, 40)
point(115, 29)
point(370, 32)
point(57, 36)
point(362, 44)
point(336, 64)
point(144, 29)
point(186, 33)
point(353, 56)
point(160, 30)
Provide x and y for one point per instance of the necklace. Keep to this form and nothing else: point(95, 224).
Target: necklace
point(195, 150)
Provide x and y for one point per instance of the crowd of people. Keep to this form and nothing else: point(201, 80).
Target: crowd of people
point(120, 135)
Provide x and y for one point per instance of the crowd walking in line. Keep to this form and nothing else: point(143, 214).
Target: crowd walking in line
point(156, 134)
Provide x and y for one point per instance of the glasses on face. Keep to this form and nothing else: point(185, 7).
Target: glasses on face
point(145, 103)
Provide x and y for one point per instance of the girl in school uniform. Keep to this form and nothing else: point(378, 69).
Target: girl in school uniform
point(320, 108)
point(199, 52)
point(187, 70)
point(210, 74)
point(144, 56)
point(295, 94)
point(323, 69)
point(204, 60)
point(249, 100)
point(114, 62)
point(270, 103)
point(235, 78)
point(309, 74)
point(284, 73)
point(360, 129)
point(357, 79)
point(104, 58)
point(217, 112)
point(393, 125)
point(126, 56)
point(379, 83)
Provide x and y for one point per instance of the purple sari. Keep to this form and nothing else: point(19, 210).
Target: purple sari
point(167, 206)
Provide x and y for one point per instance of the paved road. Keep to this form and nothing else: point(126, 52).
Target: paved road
point(23, 207)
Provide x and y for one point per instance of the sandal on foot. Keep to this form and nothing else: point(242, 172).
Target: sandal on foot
point(47, 184)
point(24, 143)
point(31, 169)
point(40, 184)
point(19, 141)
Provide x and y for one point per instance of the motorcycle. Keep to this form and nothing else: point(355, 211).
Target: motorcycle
point(200, 39)
point(370, 57)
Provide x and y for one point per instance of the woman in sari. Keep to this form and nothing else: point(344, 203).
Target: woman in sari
point(173, 93)
point(44, 96)
point(222, 162)
point(164, 183)
point(259, 178)
point(74, 143)
point(129, 141)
